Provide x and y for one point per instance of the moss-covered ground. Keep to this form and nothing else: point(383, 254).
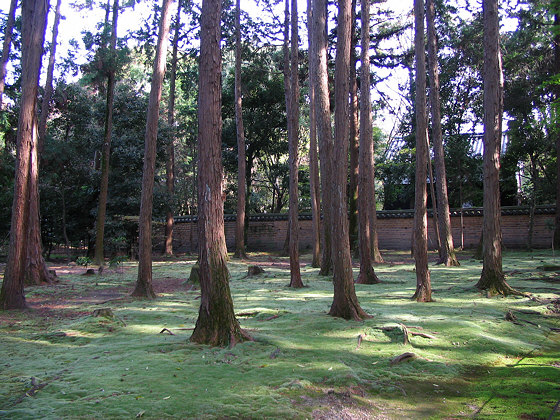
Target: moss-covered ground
point(59, 361)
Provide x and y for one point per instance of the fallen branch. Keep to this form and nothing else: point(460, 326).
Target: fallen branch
point(421, 334)
point(405, 357)
point(166, 330)
point(270, 318)
point(34, 388)
point(405, 334)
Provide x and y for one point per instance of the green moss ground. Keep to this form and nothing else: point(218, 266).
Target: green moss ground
point(303, 363)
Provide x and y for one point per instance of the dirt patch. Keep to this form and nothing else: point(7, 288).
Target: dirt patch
point(340, 406)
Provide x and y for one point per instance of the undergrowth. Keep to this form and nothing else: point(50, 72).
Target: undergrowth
point(61, 362)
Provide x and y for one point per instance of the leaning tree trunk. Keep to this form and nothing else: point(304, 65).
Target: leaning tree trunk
point(314, 185)
point(423, 284)
point(241, 158)
point(353, 136)
point(324, 129)
point(170, 148)
point(106, 148)
point(366, 195)
point(447, 256)
point(216, 324)
point(345, 302)
point(34, 13)
point(6, 46)
point(144, 286)
point(492, 278)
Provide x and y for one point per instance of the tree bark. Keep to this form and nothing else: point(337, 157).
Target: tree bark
point(353, 136)
point(216, 324)
point(144, 286)
point(492, 278)
point(324, 129)
point(34, 13)
point(241, 158)
point(6, 46)
point(292, 110)
point(314, 183)
point(447, 257)
point(170, 149)
point(106, 148)
point(557, 96)
point(366, 194)
point(423, 284)
point(345, 302)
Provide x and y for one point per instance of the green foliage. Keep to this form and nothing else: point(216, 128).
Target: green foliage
point(85, 261)
point(302, 361)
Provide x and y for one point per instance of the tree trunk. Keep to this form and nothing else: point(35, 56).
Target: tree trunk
point(366, 195)
point(447, 256)
point(6, 46)
point(345, 302)
point(353, 135)
point(314, 184)
point(170, 149)
point(492, 278)
point(34, 13)
point(557, 113)
point(106, 149)
point(292, 110)
point(63, 210)
point(433, 195)
point(144, 286)
point(241, 158)
point(324, 129)
point(423, 284)
point(216, 324)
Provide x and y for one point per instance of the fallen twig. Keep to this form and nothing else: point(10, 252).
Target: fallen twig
point(405, 357)
point(270, 318)
point(421, 334)
point(34, 388)
point(166, 330)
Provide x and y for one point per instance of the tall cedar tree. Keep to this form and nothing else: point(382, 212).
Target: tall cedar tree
point(106, 148)
point(492, 278)
point(345, 303)
point(170, 147)
point(36, 270)
point(144, 286)
point(216, 324)
point(324, 130)
point(34, 20)
point(292, 110)
point(423, 285)
point(241, 155)
point(6, 46)
point(353, 131)
point(366, 195)
point(557, 97)
point(447, 256)
point(314, 183)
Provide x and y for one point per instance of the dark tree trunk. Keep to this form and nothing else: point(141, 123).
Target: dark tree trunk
point(345, 302)
point(557, 96)
point(423, 284)
point(492, 278)
point(324, 129)
point(216, 324)
point(144, 286)
point(447, 256)
point(354, 136)
point(366, 195)
point(34, 13)
point(6, 46)
point(313, 158)
point(106, 149)
point(241, 159)
point(170, 148)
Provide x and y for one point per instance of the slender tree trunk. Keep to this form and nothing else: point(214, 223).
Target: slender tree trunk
point(34, 13)
point(106, 149)
point(366, 194)
point(314, 182)
point(292, 108)
point(144, 286)
point(345, 302)
point(6, 46)
point(324, 129)
point(447, 257)
point(354, 135)
point(492, 278)
point(423, 284)
point(433, 195)
point(63, 210)
point(557, 113)
point(241, 158)
point(170, 149)
point(216, 324)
